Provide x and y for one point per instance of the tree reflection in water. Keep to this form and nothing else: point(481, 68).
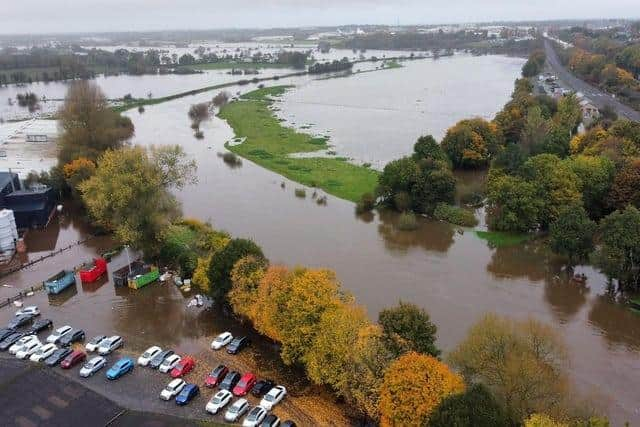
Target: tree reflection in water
point(432, 236)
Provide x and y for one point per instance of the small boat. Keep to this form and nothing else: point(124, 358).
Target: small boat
point(61, 281)
point(92, 272)
point(141, 277)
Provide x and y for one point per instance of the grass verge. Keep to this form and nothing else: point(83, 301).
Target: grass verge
point(269, 144)
point(498, 239)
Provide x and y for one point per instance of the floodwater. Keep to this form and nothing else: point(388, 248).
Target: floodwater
point(452, 273)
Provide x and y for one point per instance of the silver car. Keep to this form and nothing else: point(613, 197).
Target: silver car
point(236, 410)
point(93, 366)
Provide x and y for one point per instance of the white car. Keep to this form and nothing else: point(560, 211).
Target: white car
point(169, 363)
point(43, 352)
point(109, 344)
point(172, 389)
point(218, 401)
point(94, 343)
point(235, 411)
point(92, 366)
point(26, 351)
point(221, 340)
point(146, 357)
point(31, 310)
point(273, 397)
point(21, 343)
point(59, 333)
point(255, 417)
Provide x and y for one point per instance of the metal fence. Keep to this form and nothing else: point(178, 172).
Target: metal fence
point(21, 294)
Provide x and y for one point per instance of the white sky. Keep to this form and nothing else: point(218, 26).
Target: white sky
point(38, 16)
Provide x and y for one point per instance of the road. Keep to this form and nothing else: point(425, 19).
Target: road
point(599, 98)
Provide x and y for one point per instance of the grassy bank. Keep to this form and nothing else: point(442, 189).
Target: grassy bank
point(500, 239)
point(269, 144)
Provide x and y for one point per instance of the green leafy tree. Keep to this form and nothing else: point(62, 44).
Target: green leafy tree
point(625, 189)
point(534, 64)
point(223, 261)
point(428, 148)
point(471, 143)
point(409, 328)
point(596, 175)
point(513, 204)
point(571, 235)
point(476, 407)
point(432, 187)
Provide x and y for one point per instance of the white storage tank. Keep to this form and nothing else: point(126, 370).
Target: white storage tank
point(8, 231)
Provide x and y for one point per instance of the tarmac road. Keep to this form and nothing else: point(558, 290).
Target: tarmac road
point(599, 98)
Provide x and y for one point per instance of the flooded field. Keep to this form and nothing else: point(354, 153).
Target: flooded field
point(452, 273)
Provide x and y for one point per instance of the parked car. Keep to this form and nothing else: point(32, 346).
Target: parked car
point(188, 392)
point(230, 380)
point(40, 325)
point(157, 360)
point(236, 410)
point(221, 340)
point(19, 321)
point(172, 389)
point(288, 423)
point(26, 339)
point(149, 354)
point(31, 310)
point(57, 356)
point(255, 417)
point(216, 376)
point(237, 345)
point(28, 349)
point(274, 397)
point(120, 368)
point(169, 363)
point(10, 340)
point(57, 335)
point(72, 359)
point(185, 366)
point(43, 352)
point(262, 387)
point(5, 332)
point(95, 342)
point(109, 345)
point(245, 384)
point(92, 366)
point(270, 420)
point(218, 401)
point(74, 336)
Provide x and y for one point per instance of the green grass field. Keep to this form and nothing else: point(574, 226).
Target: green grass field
point(227, 65)
point(269, 144)
point(498, 239)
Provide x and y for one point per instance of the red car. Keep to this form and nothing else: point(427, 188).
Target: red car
point(216, 376)
point(185, 366)
point(245, 384)
point(90, 275)
point(75, 357)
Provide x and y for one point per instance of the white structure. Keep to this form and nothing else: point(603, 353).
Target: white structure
point(8, 232)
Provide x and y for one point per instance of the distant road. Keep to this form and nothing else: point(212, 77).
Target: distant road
point(595, 95)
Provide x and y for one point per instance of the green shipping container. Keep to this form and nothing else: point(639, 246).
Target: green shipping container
point(143, 276)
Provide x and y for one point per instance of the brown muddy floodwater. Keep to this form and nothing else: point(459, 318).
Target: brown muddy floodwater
point(452, 273)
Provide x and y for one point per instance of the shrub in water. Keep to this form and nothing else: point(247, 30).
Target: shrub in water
point(407, 221)
point(455, 215)
point(300, 192)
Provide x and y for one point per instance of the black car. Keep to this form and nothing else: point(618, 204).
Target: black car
point(157, 360)
point(288, 423)
point(5, 332)
point(73, 336)
point(40, 325)
point(270, 421)
point(57, 356)
point(10, 340)
point(237, 345)
point(262, 387)
point(230, 380)
point(19, 321)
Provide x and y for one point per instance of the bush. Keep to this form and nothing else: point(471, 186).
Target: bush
point(300, 192)
point(366, 204)
point(476, 407)
point(407, 221)
point(455, 215)
point(223, 261)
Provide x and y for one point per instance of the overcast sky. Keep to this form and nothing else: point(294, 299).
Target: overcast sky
point(37, 16)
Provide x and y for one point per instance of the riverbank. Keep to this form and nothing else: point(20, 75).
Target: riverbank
point(269, 144)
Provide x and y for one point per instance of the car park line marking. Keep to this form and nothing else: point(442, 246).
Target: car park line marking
point(25, 422)
point(58, 401)
point(43, 413)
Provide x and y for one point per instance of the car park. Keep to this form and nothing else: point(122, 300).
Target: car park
point(169, 363)
point(186, 395)
point(120, 368)
point(94, 342)
point(17, 345)
point(185, 366)
point(28, 349)
point(7, 342)
point(40, 325)
point(218, 401)
point(230, 380)
point(149, 354)
point(245, 384)
point(19, 321)
point(221, 340)
point(109, 345)
point(72, 359)
point(5, 332)
point(216, 376)
point(270, 420)
point(57, 356)
point(75, 335)
point(43, 352)
point(236, 410)
point(92, 366)
point(172, 389)
point(262, 387)
point(157, 360)
point(31, 310)
point(274, 397)
point(254, 417)
point(57, 335)
point(237, 345)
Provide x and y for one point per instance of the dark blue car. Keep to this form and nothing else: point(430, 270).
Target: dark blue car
point(121, 367)
point(189, 391)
